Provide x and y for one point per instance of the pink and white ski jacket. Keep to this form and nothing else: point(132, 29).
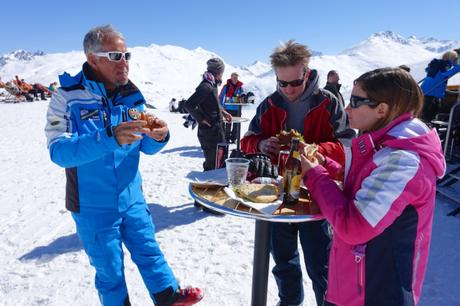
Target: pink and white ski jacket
point(382, 219)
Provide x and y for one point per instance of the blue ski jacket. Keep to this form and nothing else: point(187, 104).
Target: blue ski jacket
point(436, 86)
point(101, 175)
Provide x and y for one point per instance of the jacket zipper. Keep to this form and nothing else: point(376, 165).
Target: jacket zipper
point(359, 251)
point(105, 112)
point(417, 259)
point(104, 118)
point(359, 261)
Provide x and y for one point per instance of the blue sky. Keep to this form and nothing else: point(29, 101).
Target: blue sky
point(239, 31)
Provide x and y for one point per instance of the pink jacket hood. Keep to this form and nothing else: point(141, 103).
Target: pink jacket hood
point(412, 134)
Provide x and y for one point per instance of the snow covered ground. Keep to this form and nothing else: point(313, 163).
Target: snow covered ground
point(41, 259)
point(42, 262)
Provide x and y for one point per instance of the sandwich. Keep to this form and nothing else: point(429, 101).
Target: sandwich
point(310, 151)
point(258, 193)
point(285, 137)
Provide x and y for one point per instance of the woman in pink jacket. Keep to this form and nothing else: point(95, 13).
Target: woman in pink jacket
point(382, 218)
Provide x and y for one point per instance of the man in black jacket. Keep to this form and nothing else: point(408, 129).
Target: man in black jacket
point(205, 108)
point(333, 85)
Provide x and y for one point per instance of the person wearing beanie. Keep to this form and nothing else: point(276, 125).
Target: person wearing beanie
point(205, 108)
point(216, 66)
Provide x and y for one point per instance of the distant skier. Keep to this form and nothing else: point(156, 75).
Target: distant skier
point(53, 87)
point(173, 107)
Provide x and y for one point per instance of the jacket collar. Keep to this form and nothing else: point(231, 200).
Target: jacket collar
point(209, 77)
point(238, 84)
point(371, 142)
point(334, 85)
point(87, 78)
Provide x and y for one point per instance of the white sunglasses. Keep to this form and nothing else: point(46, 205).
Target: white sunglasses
point(114, 56)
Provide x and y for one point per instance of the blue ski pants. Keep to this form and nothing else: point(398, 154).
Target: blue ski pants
point(102, 235)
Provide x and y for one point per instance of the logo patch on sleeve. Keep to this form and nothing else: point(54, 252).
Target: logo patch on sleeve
point(134, 113)
point(86, 114)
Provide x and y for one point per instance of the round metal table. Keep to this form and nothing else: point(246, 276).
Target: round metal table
point(262, 233)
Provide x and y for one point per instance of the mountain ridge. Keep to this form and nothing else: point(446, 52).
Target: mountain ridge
point(166, 71)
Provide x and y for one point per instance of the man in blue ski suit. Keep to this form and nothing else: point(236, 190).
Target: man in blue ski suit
point(92, 133)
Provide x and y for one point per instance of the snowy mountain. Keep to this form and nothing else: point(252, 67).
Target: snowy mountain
point(435, 45)
point(19, 55)
point(164, 72)
point(258, 68)
point(393, 40)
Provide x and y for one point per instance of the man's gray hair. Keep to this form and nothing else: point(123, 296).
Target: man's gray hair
point(95, 37)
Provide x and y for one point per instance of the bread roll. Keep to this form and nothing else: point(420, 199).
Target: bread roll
point(259, 193)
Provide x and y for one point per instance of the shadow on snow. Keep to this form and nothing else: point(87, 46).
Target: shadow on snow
point(163, 218)
point(186, 151)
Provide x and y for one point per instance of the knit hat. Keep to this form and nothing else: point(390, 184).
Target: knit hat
point(215, 65)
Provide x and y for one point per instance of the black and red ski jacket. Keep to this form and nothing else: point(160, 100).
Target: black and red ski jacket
point(325, 122)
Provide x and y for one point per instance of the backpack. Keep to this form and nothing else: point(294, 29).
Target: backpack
point(435, 66)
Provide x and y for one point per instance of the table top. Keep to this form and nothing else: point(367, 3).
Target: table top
point(215, 198)
point(239, 119)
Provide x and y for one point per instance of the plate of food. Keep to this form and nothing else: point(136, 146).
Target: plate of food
point(266, 198)
point(217, 177)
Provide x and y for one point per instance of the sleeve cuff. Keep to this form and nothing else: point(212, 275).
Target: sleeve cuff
point(166, 139)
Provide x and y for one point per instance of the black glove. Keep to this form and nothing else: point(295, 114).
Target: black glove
point(261, 165)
